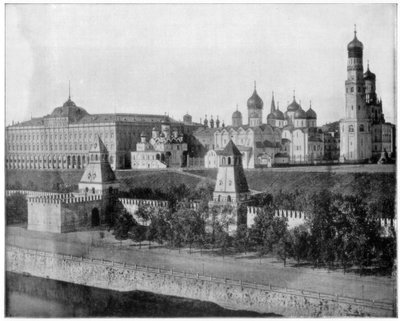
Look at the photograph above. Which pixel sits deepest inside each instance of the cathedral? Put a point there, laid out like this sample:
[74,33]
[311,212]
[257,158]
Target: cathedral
[364,134]
[283,138]
[166,148]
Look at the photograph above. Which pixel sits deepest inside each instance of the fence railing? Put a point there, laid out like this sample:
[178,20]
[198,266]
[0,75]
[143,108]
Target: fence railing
[383,305]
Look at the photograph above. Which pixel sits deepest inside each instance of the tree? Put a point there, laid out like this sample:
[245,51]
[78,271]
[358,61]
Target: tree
[299,242]
[189,225]
[387,250]
[322,230]
[138,234]
[159,228]
[241,239]
[268,231]
[16,209]
[122,225]
[221,237]
[144,213]
[283,248]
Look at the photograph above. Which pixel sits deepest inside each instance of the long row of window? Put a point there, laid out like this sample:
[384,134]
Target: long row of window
[51,147]
[59,136]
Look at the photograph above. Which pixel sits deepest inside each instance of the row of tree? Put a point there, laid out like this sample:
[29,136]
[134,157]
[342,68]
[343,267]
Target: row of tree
[339,231]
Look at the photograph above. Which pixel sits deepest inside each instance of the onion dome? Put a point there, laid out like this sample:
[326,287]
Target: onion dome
[311,114]
[237,114]
[278,114]
[165,121]
[355,47]
[368,75]
[206,121]
[300,114]
[294,105]
[271,116]
[217,122]
[255,102]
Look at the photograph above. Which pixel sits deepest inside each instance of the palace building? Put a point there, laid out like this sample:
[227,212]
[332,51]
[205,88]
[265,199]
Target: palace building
[62,139]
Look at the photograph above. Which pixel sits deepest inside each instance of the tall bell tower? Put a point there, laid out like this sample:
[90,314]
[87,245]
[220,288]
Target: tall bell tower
[355,128]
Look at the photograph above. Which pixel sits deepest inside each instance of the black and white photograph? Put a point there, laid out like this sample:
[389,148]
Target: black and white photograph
[195,160]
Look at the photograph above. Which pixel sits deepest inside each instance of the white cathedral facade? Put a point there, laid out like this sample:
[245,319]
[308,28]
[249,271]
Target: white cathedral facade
[283,138]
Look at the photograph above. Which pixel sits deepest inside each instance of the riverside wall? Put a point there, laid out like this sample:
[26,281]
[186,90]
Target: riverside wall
[228,293]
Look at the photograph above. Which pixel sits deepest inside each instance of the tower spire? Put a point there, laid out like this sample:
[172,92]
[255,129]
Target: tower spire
[255,85]
[368,64]
[294,94]
[272,103]
[69,89]
[355,30]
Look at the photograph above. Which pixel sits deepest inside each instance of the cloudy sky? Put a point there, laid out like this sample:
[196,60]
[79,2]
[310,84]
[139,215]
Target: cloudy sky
[201,59]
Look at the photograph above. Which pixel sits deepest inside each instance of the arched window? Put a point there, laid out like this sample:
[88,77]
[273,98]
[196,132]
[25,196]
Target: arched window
[229,160]
[219,198]
[223,160]
[93,190]
[361,127]
[97,157]
[229,199]
[351,128]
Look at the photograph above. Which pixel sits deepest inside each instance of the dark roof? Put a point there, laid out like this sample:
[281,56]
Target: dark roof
[368,75]
[231,149]
[255,101]
[98,146]
[355,44]
[294,105]
[206,130]
[244,148]
[278,114]
[267,143]
[300,113]
[97,118]
[311,114]
[32,122]
[70,110]
[101,168]
[315,139]
[237,114]
[281,155]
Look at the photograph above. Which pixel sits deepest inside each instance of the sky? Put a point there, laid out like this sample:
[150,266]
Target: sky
[197,58]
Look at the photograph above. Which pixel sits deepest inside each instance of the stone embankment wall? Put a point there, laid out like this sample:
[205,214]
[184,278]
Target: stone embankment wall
[228,293]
